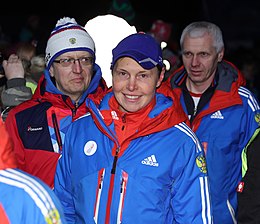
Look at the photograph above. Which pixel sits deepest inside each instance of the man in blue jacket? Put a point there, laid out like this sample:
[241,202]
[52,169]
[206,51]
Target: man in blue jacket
[221,111]
[133,160]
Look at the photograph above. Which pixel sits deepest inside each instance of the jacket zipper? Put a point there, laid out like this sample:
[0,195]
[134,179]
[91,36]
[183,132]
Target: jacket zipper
[74,110]
[57,131]
[111,186]
[124,121]
[122,196]
[101,174]
[194,111]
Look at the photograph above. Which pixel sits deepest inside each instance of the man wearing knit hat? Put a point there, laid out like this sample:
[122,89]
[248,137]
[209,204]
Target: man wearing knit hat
[38,126]
[137,161]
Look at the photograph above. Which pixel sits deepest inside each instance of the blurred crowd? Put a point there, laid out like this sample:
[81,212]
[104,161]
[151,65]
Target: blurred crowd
[30,43]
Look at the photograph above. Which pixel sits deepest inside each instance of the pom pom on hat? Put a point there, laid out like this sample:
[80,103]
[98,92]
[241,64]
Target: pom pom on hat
[68,36]
[65,20]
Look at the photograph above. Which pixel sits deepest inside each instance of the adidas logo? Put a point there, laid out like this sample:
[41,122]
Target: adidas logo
[150,161]
[217,115]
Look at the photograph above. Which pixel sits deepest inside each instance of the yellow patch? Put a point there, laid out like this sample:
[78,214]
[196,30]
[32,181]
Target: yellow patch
[72,40]
[257,118]
[201,163]
[53,217]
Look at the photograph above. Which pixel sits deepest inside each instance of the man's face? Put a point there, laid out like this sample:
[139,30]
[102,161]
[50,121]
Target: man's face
[73,79]
[200,59]
[134,87]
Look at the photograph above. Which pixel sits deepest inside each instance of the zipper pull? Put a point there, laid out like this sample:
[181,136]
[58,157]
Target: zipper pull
[113,170]
[194,111]
[124,121]
[122,184]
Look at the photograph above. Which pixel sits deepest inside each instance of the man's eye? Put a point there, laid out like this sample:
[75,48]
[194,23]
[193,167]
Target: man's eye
[142,76]
[204,54]
[67,60]
[84,59]
[122,74]
[187,54]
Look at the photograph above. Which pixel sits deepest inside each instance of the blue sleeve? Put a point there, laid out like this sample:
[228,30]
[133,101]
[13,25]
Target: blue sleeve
[191,197]
[62,184]
[27,199]
[251,119]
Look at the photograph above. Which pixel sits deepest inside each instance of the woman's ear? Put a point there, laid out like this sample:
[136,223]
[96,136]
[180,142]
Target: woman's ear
[161,77]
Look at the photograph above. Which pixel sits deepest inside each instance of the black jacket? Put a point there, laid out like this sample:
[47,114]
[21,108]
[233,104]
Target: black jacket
[249,187]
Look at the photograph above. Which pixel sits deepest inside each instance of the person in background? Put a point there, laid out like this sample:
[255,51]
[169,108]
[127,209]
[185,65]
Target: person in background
[31,32]
[15,91]
[38,126]
[17,70]
[37,67]
[23,197]
[221,111]
[133,160]
[249,187]
[162,32]
[123,9]
[26,51]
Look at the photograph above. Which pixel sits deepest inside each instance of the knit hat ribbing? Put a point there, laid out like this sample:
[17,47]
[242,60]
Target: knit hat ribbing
[68,36]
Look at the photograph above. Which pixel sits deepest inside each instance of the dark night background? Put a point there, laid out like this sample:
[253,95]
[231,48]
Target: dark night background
[238,19]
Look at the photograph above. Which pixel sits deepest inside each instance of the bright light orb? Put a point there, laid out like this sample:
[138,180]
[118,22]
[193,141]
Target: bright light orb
[107,31]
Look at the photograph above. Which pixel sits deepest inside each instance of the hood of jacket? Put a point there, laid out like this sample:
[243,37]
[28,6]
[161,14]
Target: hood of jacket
[227,81]
[227,74]
[166,113]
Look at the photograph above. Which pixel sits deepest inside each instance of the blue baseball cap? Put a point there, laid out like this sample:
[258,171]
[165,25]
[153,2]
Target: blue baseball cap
[141,47]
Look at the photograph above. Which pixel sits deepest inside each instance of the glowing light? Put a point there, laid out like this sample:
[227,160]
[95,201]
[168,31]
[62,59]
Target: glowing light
[163,45]
[167,64]
[107,31]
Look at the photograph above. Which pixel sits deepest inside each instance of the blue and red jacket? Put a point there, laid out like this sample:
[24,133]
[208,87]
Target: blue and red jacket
[224,122]
[38,126]
[23,197]
[155,174]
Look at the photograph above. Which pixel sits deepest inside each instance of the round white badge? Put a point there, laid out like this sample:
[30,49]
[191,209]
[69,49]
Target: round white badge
[90,148]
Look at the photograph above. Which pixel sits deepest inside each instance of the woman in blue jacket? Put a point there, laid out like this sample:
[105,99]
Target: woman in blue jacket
[133,160]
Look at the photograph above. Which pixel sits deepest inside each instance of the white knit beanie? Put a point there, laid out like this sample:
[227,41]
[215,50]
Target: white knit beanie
[68,36]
